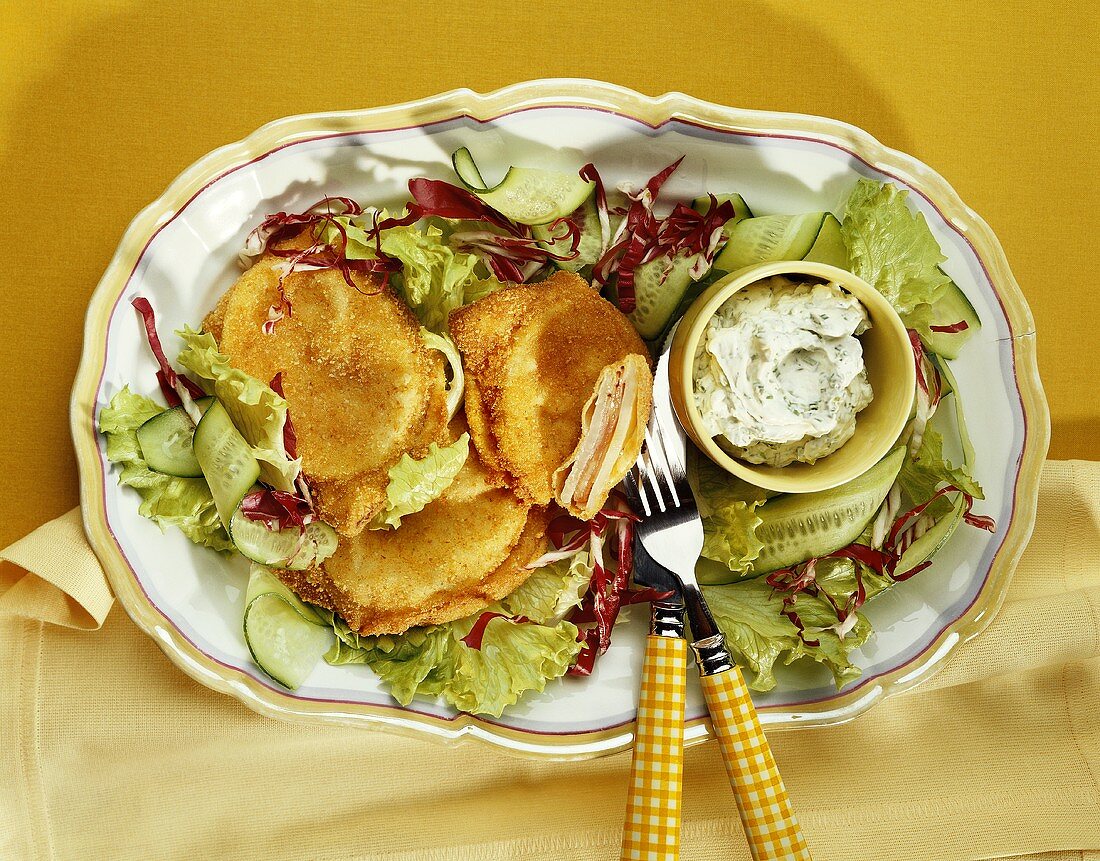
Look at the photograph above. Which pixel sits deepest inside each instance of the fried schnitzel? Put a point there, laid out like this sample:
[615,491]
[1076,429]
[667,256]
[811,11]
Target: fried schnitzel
[532,355]
[362,387]
[466,549]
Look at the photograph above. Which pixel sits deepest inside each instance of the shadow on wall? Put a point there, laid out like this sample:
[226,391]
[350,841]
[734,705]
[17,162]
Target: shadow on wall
[138,95]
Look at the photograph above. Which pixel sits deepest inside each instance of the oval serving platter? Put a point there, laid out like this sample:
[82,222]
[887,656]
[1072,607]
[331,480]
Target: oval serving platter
[181,252]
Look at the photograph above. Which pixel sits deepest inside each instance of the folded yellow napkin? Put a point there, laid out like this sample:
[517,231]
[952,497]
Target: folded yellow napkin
[108,751]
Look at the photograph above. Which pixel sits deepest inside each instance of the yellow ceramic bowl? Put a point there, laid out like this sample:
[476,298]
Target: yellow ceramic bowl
[890,369]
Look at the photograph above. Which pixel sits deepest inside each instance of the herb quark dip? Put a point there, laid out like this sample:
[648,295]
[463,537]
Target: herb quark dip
[779,374]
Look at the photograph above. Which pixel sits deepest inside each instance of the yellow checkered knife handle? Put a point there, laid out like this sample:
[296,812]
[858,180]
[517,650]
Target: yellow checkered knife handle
[770,824]
[652,826]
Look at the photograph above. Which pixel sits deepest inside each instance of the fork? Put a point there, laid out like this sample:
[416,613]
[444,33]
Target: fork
[671,533]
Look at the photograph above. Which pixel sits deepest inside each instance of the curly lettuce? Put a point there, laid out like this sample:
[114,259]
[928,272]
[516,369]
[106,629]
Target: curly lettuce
[924,472]
[415,483]
[750,614]
[257,411]
[891,248]
[728,506]
[434,278]
[167,500]
[514,657]
[551,591]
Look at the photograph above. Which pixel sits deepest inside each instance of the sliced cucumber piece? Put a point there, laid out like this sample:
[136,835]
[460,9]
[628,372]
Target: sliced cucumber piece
[951,308]
[526,195]
[591,242]
[934,538]
[800,526]
[829,246]
[290,548]
[657,299]
[262,581]
[226,460]
[166,439]
[466,168]
[741,209]
[768,238]
[283,644]
[960,418]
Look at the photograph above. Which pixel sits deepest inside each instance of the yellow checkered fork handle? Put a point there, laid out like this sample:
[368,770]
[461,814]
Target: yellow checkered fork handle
[766,814]
[652,827]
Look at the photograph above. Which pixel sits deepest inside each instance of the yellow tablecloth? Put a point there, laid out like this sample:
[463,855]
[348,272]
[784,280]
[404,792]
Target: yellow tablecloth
[108,751]
[102,102]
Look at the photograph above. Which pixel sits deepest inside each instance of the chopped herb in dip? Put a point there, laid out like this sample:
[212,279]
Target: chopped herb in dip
[779,375]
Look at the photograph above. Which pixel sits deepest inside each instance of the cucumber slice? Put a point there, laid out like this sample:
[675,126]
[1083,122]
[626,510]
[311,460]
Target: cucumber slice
[226,460]
[591,243]
[526,195]
[282,548]
[960,418]
[166,439]
[949,309]
[768,238]
[800,526]
[829,246]
[658,300]
[741,209]
[261,581]
[934,538]
[466,168]
[283,644]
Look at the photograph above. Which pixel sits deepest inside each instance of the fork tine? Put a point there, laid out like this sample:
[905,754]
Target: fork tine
[650,472]
[659,461]
[636,489]
[647,483]
[672,452]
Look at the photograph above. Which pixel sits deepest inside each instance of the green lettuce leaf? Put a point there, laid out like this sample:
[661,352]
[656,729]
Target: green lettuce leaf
[715,488]
[515,657]
[925,472]
[360,245]
[750,615]
[892,248]
[728,506]
[415,483]
[551,591]
[165,499]
[729,535]
[256,410]
[434,277]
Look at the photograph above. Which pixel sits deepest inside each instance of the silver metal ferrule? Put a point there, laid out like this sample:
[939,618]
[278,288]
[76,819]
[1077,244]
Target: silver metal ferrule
[667,619]
[712,656]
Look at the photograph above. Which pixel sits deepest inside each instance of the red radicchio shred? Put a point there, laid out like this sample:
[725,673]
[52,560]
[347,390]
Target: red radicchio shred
[166,389]
[584,614]
[646,238]
[796,620]
[586,658]
[513,257]
[976,520]
[281,226]
[167,375]
[953,329]
[609,590]
[590,174]
[276,509]
[442,199]
[918,357]
[477,632]
[884,562]
[290,438]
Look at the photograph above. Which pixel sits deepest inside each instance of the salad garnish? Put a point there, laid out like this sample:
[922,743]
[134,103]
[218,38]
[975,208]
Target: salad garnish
[778,595]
